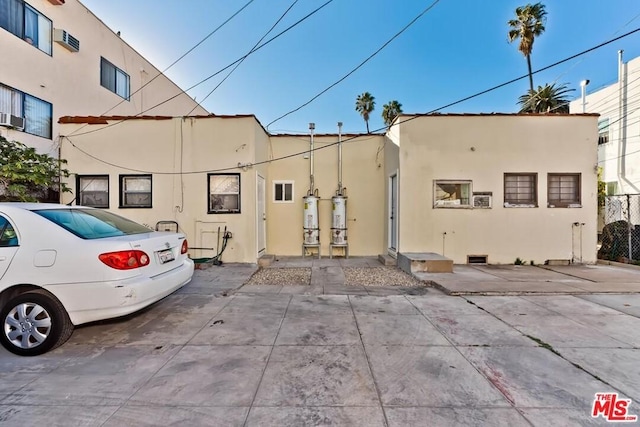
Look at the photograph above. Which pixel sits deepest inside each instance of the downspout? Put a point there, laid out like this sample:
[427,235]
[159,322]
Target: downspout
[622,124]
[340,159]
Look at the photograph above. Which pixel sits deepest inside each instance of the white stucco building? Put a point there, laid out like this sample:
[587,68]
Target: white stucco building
[59,59]
[618,125]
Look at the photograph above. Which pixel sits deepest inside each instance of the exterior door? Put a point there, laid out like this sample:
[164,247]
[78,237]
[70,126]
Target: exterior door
[261,217]
[393,213]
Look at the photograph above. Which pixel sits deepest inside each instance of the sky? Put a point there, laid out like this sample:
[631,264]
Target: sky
[456,49]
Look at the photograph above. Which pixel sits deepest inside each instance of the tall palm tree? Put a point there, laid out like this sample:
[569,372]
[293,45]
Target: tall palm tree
[390,111]
[365,104]
[528,25]
[547,99]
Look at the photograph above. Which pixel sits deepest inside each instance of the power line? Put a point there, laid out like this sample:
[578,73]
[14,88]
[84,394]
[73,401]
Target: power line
[179,59]
[357,136]
[216,73]
[245,57]
[358,66]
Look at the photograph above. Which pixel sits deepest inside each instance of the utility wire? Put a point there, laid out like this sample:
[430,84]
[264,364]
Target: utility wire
[298,22]
[358,66]
[178,60]
[244,57]
[358,136]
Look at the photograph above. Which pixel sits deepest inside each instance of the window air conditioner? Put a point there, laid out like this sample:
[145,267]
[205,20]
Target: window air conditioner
[66,40]
[8,120]
[482,201]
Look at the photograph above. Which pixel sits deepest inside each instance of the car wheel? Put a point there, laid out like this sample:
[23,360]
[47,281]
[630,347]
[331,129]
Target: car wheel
[34,323]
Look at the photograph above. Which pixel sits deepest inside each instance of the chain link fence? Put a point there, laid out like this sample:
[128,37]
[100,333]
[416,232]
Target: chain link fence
[621,231]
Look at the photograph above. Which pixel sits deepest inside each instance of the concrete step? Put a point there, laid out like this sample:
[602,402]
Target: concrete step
[386,259]
[266,260]
[424,262]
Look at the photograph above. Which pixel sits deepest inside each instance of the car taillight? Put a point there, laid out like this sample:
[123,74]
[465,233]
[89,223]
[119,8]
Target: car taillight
[185,247]
[125,260]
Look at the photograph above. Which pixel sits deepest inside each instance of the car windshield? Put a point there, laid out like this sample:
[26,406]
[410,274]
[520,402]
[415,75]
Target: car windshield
[92,223]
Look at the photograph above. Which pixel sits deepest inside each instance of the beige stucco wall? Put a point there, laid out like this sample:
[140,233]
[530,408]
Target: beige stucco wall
[71,81]
[166,148]
[363,176]
[482,149]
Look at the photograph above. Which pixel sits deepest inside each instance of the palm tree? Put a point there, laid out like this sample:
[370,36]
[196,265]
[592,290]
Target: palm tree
[547,99]
[390,111]
[365,104]
[528,25]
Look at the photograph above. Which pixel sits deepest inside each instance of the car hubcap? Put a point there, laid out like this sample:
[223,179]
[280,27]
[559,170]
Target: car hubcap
[27,325]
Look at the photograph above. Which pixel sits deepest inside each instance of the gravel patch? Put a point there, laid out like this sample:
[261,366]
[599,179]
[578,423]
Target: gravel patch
[379,276]
[354,276]
[281,276]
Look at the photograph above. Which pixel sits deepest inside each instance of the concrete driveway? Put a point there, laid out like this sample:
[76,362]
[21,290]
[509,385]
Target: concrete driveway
[201,358]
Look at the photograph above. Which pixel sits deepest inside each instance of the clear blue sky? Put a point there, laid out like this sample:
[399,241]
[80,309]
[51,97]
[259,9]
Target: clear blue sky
[458,48]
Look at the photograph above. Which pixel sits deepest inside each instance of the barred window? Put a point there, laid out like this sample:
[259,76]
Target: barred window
[563,190]
[520,189]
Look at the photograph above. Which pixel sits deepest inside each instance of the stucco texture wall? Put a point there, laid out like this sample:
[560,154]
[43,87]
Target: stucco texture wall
[363,177]
[482,148]
[179,153]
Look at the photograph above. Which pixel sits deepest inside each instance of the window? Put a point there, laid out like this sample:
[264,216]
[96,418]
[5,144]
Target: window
[563,190]
[114,79]
[603,131]
[451,194]
[521,189]
[93,191]
[23,21]
[135,191]
[224,193]
[283,191]
[36,112]
[8,235]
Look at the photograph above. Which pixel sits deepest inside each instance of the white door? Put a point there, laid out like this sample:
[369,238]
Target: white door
[261,217]
[393,213]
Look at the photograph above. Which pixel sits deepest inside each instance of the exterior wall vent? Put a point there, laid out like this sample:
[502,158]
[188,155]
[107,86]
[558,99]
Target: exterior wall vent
[8,120]
[481,201]
[477,259]
[66,40]
[57,2]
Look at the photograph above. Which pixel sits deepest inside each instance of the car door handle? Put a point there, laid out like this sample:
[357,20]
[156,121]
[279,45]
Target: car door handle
[3,258]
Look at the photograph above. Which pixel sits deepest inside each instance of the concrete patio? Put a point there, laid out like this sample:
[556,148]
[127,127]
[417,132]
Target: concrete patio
[201,358]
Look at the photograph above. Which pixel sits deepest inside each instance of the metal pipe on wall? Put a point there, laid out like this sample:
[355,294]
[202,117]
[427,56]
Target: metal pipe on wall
[312,126]
[339,158]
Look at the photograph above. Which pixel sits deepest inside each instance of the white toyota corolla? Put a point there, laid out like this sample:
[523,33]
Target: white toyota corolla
[62,266]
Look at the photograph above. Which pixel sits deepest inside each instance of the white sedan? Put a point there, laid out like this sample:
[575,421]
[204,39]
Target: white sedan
[62,266]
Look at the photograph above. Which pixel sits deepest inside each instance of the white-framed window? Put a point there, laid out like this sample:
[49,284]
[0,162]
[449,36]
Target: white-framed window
[563,190]
[25,22]
[224,193]
[451,193]
[92,190]
[135,191]
[603,131]
[114,79]
[283,191]
[521,190]
[37,113]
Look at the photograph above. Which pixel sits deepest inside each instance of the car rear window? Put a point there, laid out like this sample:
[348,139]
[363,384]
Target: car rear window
[92,223]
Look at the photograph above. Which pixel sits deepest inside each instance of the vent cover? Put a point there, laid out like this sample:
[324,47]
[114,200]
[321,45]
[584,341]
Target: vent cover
[66,40]
[477,259]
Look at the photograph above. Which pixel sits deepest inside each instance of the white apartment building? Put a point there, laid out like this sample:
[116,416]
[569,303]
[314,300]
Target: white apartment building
[59,59]
[619,127]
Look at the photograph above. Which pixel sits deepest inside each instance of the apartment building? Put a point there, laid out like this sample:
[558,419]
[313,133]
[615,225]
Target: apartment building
[59,59]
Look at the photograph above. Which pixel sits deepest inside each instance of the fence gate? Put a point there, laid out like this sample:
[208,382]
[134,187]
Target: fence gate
[621,231]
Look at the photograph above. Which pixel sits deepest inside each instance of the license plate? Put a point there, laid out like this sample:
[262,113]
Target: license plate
[166,256]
